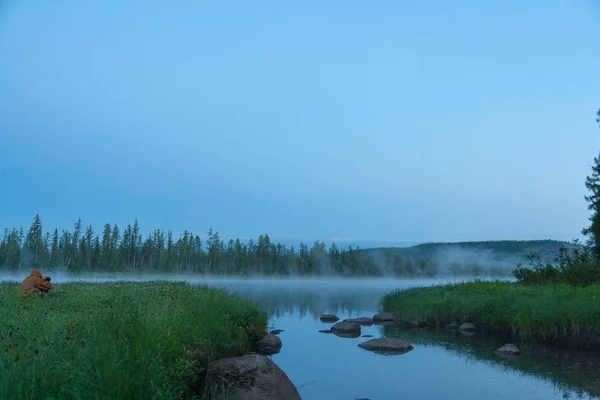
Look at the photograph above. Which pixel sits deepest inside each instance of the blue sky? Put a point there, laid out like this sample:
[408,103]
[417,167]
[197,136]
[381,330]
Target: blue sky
[388,121]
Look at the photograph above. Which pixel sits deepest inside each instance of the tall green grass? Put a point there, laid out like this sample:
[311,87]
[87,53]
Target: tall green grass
[543,312]
[119,340]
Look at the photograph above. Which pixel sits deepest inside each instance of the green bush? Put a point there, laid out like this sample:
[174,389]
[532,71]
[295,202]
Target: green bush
[577,267]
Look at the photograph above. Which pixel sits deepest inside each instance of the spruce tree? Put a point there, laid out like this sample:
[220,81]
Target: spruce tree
[592,183]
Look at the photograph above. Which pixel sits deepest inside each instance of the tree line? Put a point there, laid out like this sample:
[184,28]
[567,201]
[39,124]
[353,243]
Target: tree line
[82,249]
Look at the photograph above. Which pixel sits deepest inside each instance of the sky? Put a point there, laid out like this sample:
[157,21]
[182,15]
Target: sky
[386,121]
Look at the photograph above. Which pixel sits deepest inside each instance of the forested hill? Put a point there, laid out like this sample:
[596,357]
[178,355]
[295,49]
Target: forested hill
[500,249]
[83,249]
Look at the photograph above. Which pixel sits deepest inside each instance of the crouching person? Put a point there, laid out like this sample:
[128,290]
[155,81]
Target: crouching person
[36,282]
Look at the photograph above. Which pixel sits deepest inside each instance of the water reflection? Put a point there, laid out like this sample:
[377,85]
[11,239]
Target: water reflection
[306,298]
[573,373]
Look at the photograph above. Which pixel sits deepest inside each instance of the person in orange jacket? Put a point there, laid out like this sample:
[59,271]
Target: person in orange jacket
[36,282]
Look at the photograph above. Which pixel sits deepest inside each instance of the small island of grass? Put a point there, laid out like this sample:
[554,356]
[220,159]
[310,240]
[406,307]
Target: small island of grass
[119,340]
[560,314]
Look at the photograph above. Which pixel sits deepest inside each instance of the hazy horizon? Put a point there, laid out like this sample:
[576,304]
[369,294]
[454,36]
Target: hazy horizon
[389,123]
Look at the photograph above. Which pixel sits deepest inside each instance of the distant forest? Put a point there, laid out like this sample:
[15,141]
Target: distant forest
[82,249]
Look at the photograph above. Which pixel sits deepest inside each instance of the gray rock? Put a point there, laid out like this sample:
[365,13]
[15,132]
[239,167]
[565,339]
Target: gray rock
[276,331]
[347,335]
[329,318]
[249,377]
[268,345]
[453,326]
[361,320]
[386,346]
[467,326]
[413,323]
[385,317]
[509,350]
[345,326]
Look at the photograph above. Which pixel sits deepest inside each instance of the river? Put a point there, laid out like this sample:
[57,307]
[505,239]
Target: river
[441,365]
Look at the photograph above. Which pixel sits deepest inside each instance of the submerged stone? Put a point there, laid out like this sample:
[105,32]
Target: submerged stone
[346,326]
[252,376]
[508,349]
[361,320]
[326,331]
[467,326]
[329,318]
[386,346]
[385,317]
[453,326]
[276,331]
[268,345]
[347,335]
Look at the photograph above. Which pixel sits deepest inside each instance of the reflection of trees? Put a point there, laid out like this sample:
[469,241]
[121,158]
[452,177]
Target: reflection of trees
[306,300]
[572,372]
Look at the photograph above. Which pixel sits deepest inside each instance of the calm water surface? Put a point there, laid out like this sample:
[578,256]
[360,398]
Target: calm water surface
[442,364]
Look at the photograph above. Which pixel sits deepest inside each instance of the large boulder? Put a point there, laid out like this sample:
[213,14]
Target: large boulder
[386,346]
[329,318]
[385,317]
[249,377]
[346,327]
[361,320]
[268,345]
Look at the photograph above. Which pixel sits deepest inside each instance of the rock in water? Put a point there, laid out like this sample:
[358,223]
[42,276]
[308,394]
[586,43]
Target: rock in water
[453,326]
[346,335]
[249,377]
[467,326]
[329,318]
[276,331]
[509,350]
[386,346]
[385,317]
[268,345]
[361,320]
[413,323]
[348,327]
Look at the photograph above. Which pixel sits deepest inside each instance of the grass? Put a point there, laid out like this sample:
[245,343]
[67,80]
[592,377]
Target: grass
[547,313]
[119,340]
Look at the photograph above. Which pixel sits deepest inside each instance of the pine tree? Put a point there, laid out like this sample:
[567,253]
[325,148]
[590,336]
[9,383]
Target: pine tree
[592,183]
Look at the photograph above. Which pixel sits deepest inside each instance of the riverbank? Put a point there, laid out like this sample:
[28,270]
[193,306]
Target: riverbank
[119,340]
[557,314]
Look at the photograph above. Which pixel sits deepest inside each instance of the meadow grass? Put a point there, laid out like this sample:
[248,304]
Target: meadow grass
[121,340]
[550,312]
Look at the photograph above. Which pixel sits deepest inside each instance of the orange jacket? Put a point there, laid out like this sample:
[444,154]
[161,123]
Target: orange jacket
[34,283]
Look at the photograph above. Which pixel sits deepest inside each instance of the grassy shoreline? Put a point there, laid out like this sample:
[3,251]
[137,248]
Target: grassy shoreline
[553,314]
[119,340]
